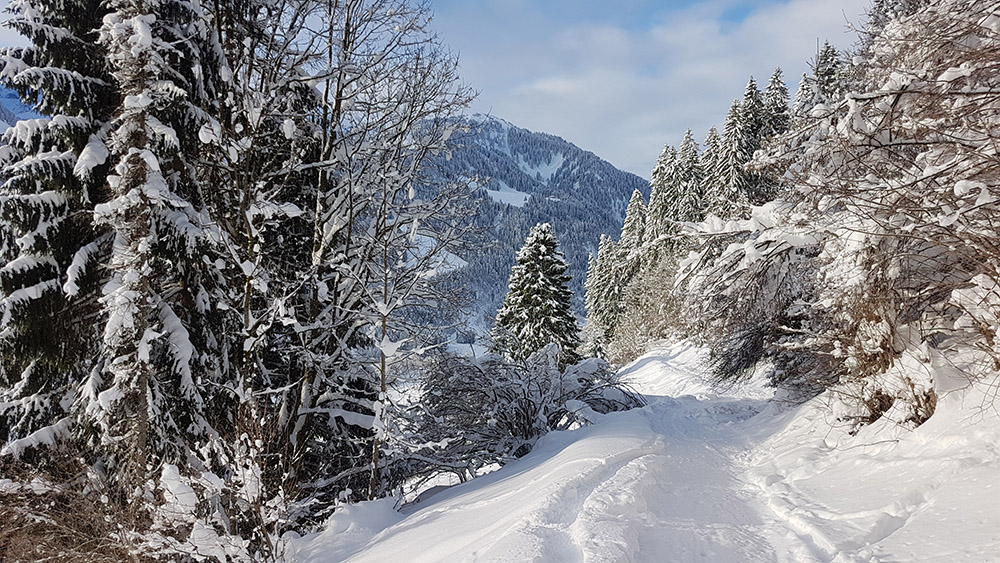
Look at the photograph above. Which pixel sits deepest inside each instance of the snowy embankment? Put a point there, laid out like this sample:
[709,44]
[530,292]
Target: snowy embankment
[700,475]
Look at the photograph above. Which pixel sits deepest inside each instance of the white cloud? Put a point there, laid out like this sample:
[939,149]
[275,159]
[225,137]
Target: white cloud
[623,92]
[620,78]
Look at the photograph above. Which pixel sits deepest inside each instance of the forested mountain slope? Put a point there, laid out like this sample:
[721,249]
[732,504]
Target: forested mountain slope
[528,178]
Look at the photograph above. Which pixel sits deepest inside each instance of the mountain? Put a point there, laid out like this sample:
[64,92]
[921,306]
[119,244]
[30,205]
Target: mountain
[526,178]
[12,108]
[7,117]
[523,178]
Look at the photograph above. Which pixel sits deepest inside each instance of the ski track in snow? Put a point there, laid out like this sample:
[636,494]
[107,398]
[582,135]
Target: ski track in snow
[697,475]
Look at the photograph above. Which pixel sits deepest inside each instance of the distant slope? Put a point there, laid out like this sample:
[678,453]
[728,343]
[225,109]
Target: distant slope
[12,108]
[531,178]
[7,118]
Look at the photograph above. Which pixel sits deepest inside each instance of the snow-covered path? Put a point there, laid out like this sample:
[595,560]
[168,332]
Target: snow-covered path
[643,484]
[699,476]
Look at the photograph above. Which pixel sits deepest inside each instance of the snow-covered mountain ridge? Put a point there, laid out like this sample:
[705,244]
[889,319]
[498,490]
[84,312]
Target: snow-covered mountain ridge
[527,178]
[12,108]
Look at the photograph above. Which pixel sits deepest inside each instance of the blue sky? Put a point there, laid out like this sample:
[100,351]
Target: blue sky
[623,78]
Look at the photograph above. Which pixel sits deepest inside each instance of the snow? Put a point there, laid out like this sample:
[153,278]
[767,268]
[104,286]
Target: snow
[42,437]
[288,128]
[545,171]
[702,474]
[508,195]
[94,154]
[77,268]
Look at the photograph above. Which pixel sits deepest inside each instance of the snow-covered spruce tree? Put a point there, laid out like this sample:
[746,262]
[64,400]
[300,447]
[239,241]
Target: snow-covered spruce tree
[127,239]
[604,291]
[776,110]
[747,137]
[824,86]
[663,192]
[536,311]
[631,243]
[634,227]
[727,199]
[160,340]
[688,205]
[711,167]
[593,333]
[775,122]
[800,102]
[736,187]
[52,175]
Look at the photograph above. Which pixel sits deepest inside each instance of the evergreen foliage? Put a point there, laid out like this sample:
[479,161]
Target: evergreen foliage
[663,191]
[688,202]
[711,166]
[776,109]
[604,295]
[729,199]
[826,83]
[536,311]
[628,299]
[634,228]
[52,170]
[559,183]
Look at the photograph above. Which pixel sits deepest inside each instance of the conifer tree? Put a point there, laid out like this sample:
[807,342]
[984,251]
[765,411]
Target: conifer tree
[161,334]
[828,68]
[634,226]
[630,249]
[776,111]
[536,311]
[201,240]
[729,198]
[663,192]
[594,341]
[824,85]
[53,171]
[711,165]
[752,113]
[800,103]
[604,290]
[689,202]
[738,188]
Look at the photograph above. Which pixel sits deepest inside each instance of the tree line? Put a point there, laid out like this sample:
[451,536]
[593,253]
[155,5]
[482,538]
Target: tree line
[847,244]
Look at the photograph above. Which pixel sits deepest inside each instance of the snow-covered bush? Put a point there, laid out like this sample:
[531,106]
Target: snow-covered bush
[900,175]
[883,247]
[748,293]
[489,410]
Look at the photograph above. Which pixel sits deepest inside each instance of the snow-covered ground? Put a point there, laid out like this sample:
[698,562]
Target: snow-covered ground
[704,475]
[508,195]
